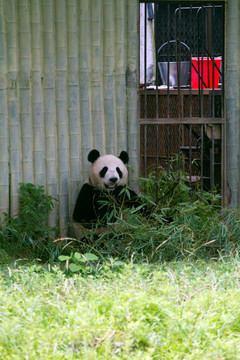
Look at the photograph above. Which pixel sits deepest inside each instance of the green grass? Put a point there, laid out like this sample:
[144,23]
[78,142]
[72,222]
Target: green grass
[178,310]
[176,296]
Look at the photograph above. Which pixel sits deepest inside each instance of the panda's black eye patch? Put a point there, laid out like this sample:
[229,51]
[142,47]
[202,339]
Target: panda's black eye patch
[103,172]
[119,172]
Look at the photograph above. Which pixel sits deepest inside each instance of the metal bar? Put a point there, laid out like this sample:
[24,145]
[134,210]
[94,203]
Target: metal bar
[222,69]
[202,75]
[145,61]
[178,61]
[190,97]
[201,158]
[179,145]
[168,149]
[211,169]
[186,120]
[212,160]
[198,7]
[145,150]
[168,92]
[213,65]
[156,66]
[223,166]
[157,151]
[174,91]
[190,153]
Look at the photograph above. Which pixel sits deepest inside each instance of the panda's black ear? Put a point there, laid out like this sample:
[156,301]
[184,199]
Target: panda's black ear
[93,155]
[124,157]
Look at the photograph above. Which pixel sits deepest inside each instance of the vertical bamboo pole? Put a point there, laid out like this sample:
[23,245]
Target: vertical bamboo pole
[108,77]
[37,94]
[96,78]
[14,129]
[24,87]
[120,79]
[49,103]
[132,85]
[4,183]
[233,103]
[61,111]
[84,83]
[73,103]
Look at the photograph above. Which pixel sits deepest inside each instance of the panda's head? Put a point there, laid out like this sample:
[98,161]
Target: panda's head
[107,171]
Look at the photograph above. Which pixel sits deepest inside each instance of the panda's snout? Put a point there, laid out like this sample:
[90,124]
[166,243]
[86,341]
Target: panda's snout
[113,180]
[112,183]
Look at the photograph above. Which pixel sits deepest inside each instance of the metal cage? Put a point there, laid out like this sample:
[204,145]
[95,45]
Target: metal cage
[183,119]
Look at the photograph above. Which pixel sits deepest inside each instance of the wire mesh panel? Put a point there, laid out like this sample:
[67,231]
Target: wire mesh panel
[181,97]
[197,151]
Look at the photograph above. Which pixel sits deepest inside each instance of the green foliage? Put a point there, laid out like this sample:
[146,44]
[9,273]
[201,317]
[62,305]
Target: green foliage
[28,229]
[87,264]
[79,262]
[179,222]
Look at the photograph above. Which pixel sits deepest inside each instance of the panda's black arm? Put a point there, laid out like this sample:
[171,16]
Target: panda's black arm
[133,199]
[127,196]
[84,208]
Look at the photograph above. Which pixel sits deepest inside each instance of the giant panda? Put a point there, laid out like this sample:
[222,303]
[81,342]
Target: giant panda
[107,182]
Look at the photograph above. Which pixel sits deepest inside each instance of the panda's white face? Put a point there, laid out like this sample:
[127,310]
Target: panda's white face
[107,172]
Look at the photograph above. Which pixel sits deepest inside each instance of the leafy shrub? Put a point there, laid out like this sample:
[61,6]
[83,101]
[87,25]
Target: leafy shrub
[79,262]
[181,222]
[89,264]
[28,229]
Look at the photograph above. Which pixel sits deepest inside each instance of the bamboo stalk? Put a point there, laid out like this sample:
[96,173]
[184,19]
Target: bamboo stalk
[97,75]
[232,193]
[4,178]
[49,103]
[73,104]
[108,77]
[132,87]
[37,95]
[13,126]
[120,79]
[84,84]
[61,112]
[24,87]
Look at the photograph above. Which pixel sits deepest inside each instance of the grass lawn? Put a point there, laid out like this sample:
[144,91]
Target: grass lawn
[178,310]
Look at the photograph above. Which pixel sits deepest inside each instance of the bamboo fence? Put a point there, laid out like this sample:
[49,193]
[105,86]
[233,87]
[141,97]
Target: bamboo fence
[68,83]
